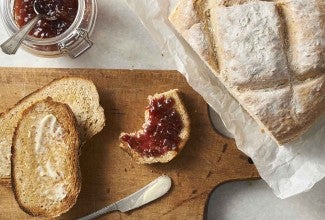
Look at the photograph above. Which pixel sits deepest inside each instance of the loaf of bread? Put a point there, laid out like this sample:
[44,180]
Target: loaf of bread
[82,97]
[270,55]
[45,170]
[164,133]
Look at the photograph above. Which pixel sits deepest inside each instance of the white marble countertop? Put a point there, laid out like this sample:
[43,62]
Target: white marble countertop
[121,42]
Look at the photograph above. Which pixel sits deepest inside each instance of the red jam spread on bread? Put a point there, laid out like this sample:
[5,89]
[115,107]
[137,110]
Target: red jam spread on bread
[63,13]
[161,132]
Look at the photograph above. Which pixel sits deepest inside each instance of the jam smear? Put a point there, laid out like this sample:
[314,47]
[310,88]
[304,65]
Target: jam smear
[161,132]
[64,13]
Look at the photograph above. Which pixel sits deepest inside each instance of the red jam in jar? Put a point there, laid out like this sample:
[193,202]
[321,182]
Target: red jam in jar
[63,13]
[161,132]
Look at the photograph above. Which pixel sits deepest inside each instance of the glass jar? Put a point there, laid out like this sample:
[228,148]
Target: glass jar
[74,41]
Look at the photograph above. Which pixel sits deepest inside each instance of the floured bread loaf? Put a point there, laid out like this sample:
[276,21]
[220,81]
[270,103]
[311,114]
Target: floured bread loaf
[268,54]
[82,97]
[45,176]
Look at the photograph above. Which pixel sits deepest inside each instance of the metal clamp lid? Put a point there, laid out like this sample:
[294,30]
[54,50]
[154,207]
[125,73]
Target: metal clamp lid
[82,47]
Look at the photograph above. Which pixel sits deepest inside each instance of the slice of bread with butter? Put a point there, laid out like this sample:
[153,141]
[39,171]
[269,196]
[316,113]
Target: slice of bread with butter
[82,97]
[45,170]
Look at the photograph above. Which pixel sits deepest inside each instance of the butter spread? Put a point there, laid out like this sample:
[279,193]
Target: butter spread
[40,171]
[57,193]
[50,171]
[156,189]
[41,128]
[47,124]
[162,185]
[46,132]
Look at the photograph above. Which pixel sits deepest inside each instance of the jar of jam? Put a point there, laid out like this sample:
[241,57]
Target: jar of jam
[68,33]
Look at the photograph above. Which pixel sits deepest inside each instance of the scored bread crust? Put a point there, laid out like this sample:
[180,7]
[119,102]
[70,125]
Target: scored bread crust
[77,92]
[306,54]
[276,102]
[184,134]
[67,120]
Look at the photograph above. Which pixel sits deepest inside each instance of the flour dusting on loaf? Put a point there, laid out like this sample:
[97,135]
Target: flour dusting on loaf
[306,36]
[249,44]
[268,54]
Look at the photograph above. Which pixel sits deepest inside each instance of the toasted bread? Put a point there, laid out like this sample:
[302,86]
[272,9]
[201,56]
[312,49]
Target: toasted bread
[45,170]
[81,96]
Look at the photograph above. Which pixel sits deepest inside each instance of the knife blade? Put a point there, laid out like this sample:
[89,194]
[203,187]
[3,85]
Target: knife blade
[149,193]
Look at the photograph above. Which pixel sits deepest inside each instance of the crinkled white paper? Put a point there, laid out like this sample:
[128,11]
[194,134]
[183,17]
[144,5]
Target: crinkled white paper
[288,170]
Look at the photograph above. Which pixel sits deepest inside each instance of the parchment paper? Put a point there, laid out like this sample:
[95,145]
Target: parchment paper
[288,170]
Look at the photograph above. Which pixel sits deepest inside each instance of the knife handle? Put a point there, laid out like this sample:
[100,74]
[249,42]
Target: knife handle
[107,209]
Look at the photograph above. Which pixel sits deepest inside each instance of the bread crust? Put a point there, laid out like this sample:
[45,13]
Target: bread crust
[282,124]
[306,43]
[184,134]
[66,116]
[5,182]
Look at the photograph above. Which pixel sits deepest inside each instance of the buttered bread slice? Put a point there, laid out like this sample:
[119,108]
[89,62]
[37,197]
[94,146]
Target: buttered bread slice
[80,94]
[45,159]
[268,54]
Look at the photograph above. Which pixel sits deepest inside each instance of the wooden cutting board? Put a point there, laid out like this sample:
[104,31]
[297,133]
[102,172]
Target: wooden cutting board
[108,173]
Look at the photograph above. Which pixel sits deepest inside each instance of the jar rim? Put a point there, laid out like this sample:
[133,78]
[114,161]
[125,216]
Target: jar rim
[12,27]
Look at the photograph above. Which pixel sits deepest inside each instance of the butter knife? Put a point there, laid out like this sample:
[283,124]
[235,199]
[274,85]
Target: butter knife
[149,193]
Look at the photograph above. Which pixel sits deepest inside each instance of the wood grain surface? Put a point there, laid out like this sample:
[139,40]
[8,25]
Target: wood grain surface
[108,173]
